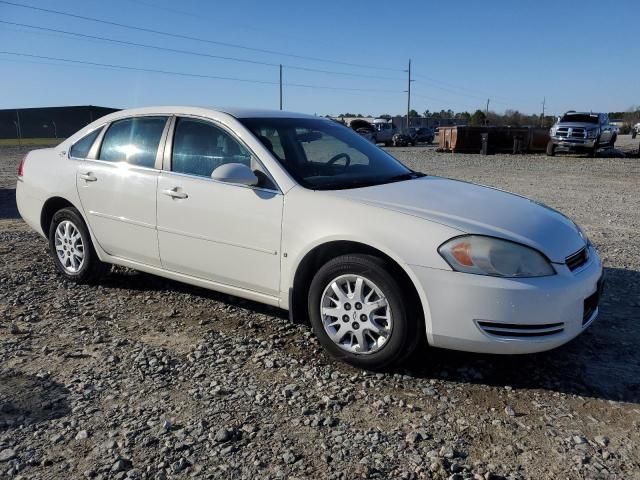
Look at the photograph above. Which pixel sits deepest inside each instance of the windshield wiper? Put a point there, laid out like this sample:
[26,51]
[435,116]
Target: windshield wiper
[358,183]
[346,184]
[405,176]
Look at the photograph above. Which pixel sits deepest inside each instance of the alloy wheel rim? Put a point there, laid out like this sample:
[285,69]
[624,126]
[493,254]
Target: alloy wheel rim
[69,246]
[356,314]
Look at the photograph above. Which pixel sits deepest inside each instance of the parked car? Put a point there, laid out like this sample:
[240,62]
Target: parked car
[402,140]
[302,213]
[422,135]
[581,132]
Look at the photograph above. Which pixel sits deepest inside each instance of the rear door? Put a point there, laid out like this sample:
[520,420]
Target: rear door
[117,187]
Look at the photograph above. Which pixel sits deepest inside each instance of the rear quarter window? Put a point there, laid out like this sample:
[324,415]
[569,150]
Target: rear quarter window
[81,148]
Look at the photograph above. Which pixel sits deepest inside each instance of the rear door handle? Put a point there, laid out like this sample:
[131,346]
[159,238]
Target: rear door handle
[174,193]
[88,177]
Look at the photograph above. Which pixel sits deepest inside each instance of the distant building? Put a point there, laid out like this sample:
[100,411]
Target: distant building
[48,122]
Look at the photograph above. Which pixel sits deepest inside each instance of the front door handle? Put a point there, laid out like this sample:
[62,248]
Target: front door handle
[175,193]
[88,177]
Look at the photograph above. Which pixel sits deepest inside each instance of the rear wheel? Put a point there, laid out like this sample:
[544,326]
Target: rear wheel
[551,149]
[360,313]
[71,248]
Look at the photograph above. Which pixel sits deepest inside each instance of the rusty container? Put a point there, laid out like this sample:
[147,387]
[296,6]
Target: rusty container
[468,139]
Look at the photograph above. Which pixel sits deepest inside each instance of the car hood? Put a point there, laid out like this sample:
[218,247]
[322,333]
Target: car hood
[478,210]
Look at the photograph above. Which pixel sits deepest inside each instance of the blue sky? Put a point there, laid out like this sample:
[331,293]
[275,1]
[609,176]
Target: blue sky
[582,55]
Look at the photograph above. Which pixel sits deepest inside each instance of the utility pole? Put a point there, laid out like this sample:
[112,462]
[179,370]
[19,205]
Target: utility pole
[486,113]
[18,127]
[280,86]
[55,128]
[409,94]
[544,100]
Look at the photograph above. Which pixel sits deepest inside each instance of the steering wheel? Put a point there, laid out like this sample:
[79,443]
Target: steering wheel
[337,157]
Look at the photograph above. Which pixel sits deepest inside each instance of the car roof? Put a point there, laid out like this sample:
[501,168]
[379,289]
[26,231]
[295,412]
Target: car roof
[233,111]
[582,113]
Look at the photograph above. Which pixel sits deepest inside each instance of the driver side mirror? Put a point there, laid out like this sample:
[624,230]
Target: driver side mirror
[237,173]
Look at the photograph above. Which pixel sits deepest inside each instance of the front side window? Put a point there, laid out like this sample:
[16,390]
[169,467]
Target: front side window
[322,154]
[199,147]
[133,140]
[81,148]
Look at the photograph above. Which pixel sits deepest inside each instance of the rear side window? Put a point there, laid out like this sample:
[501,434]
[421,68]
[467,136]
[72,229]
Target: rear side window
[200,147]
[81,148]
[133,140]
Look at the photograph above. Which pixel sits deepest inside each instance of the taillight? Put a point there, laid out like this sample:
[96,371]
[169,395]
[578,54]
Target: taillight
[21,166]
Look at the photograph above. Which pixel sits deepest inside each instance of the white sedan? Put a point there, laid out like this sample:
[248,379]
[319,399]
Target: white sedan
[302,213]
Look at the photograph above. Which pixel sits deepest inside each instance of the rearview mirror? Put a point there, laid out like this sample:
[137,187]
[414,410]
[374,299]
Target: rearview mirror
[237,173]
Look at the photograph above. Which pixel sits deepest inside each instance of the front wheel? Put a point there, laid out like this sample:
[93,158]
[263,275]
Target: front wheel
[594,151]
[551,149]
[361,314]
[71,248]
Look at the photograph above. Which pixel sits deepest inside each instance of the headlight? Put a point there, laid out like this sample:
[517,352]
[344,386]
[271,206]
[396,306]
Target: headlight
[491,256]
[592,133]
[583,234]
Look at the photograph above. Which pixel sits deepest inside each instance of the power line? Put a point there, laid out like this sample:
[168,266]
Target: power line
[198,39]
[436,99]
[452,89]
[193,75]
[191,52]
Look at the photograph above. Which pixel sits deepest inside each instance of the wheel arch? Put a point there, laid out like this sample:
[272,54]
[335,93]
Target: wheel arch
[51,206]
[323,252]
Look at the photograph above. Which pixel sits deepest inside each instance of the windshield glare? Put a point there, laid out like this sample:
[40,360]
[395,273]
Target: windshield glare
[579,118]
[321,154]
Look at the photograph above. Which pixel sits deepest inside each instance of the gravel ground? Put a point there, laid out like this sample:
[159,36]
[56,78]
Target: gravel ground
[142,377]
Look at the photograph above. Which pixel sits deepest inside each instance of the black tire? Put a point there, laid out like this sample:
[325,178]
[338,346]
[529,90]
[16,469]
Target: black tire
[551,149]
[633,134]
[91,268]
[593,153]
[407,330]
[612,142]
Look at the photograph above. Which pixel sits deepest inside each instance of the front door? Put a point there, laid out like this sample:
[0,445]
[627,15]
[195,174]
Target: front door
[118,189]
[222,232]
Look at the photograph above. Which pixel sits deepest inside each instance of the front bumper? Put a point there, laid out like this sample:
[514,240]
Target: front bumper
[543,313]
[574,143]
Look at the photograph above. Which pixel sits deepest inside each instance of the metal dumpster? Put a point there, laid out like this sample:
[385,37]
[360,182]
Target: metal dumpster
[467,139]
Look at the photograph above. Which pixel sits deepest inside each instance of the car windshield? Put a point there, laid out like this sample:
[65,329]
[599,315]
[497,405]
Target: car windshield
[324,155]
[579,118]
